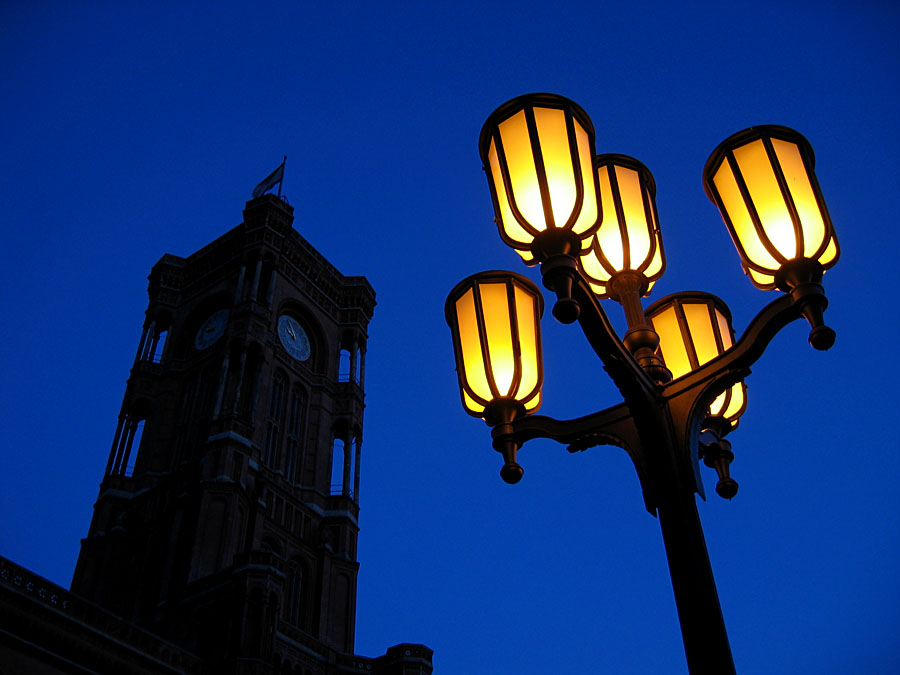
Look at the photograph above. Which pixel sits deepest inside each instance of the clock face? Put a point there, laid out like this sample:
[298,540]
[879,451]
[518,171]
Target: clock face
[293,337]
[211,330]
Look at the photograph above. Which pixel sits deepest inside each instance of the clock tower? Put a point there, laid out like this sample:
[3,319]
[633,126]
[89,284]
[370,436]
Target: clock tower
[227,517]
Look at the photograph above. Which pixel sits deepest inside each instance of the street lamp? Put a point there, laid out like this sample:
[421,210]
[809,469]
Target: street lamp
[591,224]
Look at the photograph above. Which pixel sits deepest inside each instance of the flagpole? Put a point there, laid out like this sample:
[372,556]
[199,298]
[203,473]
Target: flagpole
[283,162]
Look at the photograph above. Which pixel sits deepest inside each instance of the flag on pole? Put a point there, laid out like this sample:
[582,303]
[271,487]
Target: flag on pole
[270,181]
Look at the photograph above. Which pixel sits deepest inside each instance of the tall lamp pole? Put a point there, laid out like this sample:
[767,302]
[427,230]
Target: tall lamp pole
[591,224]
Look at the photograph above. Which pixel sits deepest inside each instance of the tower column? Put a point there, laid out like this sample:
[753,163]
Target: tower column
[140,349]
[356,467]
[122,444]
[146,339]
[354,350]
[168,343]
[153,344]
[151,340]
[128,439]
[345,482]
[362,366]
[115,446]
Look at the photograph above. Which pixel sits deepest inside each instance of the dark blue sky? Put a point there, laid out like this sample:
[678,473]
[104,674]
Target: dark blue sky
[131,129]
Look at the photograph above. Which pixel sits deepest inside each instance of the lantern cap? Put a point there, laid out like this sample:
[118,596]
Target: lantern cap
[702,296]
[749,135]
[535,100]
[488,275]
[628,162]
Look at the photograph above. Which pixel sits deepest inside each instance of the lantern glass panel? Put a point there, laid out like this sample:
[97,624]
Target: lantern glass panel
[730,403]
[557,157]
[507,221]
[761,279]
[528,343]
[724,329]
[498,334]
[767,197]
[734,205]
[523,177]
[533,403]
[672,342]
[655,268]
[830,254]
[587,219]
[638,229]
[804,197]
[701,332]
[635,229]
[609,237]
[474,371]
[471,404]
[737,403]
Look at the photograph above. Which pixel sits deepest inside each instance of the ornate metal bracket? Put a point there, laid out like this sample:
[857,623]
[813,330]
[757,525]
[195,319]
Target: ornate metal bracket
[654,415]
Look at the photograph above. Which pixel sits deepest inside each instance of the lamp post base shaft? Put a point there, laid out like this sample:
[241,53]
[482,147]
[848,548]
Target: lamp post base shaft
[699,613]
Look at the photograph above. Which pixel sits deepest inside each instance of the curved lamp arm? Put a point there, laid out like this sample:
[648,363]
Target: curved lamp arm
[614,426]
[751,345]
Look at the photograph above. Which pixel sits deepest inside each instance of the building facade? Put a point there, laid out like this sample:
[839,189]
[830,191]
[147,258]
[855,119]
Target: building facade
[227,519]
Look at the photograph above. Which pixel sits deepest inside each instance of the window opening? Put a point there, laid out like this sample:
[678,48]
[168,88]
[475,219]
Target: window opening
[344,366]
[158,346]
[273,422]
[295,424]
[352,473]
[337,466]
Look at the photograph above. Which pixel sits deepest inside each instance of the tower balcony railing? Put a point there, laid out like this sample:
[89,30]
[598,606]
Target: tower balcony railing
[337,490]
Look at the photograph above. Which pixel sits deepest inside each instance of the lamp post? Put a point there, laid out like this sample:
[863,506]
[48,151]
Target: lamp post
[591,224]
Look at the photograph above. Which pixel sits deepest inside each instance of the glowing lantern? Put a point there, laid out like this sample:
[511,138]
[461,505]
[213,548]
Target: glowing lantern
[628,238]
[537,152]
[694,328]
[495,320]
[763,183]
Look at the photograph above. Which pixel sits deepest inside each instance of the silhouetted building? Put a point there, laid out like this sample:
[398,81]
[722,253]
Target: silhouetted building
[224,536]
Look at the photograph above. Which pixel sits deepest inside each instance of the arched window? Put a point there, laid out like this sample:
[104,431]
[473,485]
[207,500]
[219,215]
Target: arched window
[338,450]
[351,361]
[153,341]
[158,346]
[273,420]
[126,443]
[344,366]
[296,410]
[134,447]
